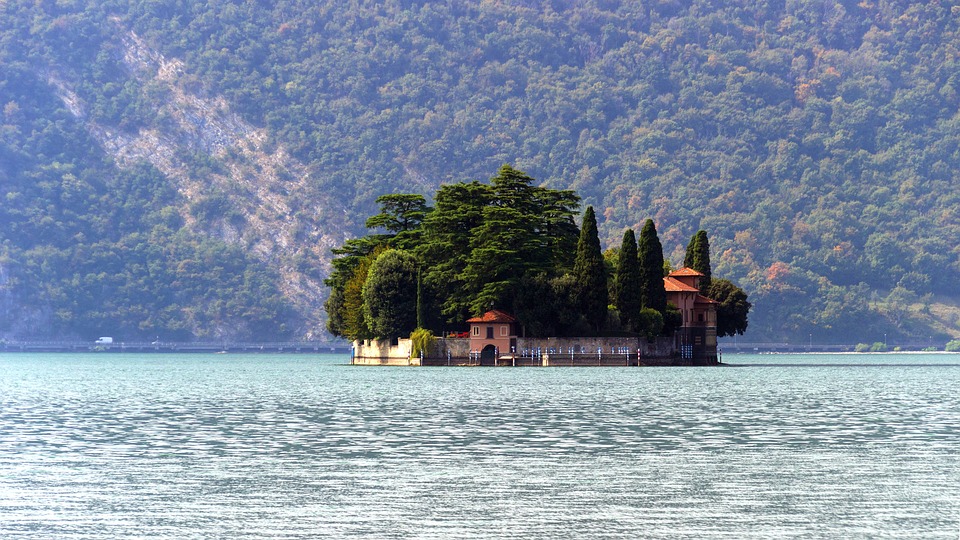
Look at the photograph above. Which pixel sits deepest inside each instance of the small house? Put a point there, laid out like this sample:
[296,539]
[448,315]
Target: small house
[493,334]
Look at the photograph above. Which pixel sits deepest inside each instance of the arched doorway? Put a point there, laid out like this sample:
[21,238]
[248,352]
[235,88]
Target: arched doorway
[488,355]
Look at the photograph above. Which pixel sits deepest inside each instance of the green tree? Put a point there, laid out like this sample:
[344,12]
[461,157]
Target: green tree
[590,273]
[650,322]
[422,342]
[446,246]
[480,240]
[627,282]
[421,301]
[401,214]
[501,253]
[353,315]
[569,319]
[650,257]
[335,311]
[537,306]
[698,257]
[547,233]
[733,307]
[390,294]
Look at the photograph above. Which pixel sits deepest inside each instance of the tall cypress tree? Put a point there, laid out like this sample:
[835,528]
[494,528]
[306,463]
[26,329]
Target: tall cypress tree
[627,281]
[590,273]
[421,301]
[688,257]
[650,256]
[703,260]
[698,257]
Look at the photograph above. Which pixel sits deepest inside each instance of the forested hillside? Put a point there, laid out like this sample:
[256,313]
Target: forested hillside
[817,141]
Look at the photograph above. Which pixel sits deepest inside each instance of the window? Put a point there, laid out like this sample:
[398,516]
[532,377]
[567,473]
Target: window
[503,331]
[476,330]
[700,317]
[489,332]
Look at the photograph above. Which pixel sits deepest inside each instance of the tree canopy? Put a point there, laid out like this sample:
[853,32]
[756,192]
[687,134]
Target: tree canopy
[390,294]
[733,308]
[486,246]
[481,240]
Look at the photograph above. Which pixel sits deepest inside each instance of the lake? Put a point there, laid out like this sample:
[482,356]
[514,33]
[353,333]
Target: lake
[304,446]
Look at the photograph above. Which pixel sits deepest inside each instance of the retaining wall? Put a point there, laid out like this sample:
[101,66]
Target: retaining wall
[374,352]
[574,351]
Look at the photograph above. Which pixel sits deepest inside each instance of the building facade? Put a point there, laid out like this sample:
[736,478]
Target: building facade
[697,335]
[494,334]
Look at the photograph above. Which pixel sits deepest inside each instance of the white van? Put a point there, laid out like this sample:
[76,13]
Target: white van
[106,340]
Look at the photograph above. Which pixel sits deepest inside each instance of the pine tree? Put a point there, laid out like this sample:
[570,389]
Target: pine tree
[627,282]
[500,256]
[650,256]
[401,215]
[481,240]
[590,273]
[446,247]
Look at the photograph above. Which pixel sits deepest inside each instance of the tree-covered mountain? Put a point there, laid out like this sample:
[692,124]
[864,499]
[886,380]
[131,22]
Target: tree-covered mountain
[817,140]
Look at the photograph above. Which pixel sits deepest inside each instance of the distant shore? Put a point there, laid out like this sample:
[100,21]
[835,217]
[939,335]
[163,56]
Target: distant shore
[744,347]
[305,347]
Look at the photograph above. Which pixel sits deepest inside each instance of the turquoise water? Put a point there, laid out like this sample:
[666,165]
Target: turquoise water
[299,446]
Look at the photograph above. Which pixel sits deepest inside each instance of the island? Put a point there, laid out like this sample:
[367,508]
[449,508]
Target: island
[500,274]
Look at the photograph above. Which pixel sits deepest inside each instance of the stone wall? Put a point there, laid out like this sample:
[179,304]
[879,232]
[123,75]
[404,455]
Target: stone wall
[575,351]
[457,347]
[383,353]
[659,348]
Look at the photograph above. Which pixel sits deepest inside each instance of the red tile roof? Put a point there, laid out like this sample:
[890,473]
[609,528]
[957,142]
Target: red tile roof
[494,316]
[704,300]
[675,285]
[685,272]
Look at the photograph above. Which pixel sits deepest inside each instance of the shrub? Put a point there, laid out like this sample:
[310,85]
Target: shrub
[650,322]
[422,340]
[953,346]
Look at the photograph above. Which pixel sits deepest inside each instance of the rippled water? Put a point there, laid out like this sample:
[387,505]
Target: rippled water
[291,446]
